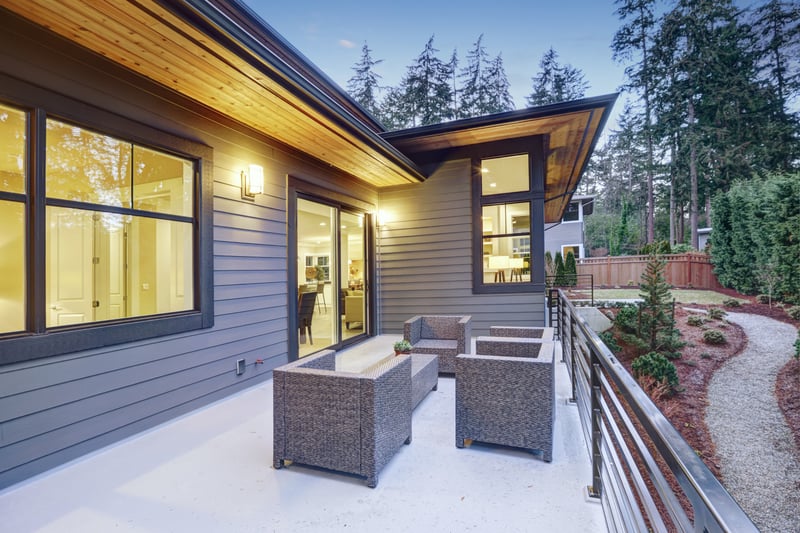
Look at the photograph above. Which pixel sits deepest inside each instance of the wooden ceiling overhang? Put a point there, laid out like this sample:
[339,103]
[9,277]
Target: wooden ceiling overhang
[572,128]
[220,54]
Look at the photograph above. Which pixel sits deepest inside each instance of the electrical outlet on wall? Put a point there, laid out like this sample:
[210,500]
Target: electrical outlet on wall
[240,367]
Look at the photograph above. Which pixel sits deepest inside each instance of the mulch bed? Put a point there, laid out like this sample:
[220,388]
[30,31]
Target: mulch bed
[686,409]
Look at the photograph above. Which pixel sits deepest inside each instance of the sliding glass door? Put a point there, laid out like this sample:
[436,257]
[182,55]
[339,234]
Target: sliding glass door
[331,265]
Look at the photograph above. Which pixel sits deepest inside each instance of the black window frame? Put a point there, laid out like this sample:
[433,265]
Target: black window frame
[38,341]
[536,148]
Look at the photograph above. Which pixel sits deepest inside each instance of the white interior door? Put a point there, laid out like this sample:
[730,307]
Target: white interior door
[69,267]
[109,267]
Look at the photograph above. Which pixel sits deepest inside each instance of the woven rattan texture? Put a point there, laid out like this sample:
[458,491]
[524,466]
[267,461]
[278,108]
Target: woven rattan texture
[424,376]
[543,333]
[446,336]
[341,421]
[506,400]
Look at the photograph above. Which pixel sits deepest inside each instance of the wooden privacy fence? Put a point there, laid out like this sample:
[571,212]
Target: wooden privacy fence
[682,270]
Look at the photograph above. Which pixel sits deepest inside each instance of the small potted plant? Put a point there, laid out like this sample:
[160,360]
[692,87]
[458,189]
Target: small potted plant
[402,346]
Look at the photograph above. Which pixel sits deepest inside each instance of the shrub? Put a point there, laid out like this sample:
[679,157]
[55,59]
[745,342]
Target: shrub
[695,320]
[705,355]
[794,312]
[609,340]
[713,336]
[628,319]
[657,366]
[731,302]
[797,346]
[763,298]
[715,313]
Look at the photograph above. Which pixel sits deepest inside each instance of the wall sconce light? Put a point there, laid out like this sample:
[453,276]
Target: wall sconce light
[252,182]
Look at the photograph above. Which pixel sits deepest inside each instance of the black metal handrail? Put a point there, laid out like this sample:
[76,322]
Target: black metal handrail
[635,450]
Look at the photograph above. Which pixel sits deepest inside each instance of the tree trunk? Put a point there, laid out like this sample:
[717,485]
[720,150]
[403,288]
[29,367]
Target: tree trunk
[693,202]
[671,215]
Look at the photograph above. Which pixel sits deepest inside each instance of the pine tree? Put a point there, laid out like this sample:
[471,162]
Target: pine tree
[656,314]
[474,97]
[426,88]
[561,273]
[556,83]
[498,87]
[363,86]
[635,39]
[776,25]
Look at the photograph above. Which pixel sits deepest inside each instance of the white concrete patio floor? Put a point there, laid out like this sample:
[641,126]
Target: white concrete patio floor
[211,470]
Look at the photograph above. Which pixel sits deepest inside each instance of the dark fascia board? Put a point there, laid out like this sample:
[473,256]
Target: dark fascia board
[605,101]
[239,28]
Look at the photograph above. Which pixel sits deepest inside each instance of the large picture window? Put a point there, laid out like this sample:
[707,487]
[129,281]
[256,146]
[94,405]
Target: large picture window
[112,228]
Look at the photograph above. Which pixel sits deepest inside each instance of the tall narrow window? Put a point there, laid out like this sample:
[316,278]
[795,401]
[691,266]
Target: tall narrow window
[13,173]
[505,220]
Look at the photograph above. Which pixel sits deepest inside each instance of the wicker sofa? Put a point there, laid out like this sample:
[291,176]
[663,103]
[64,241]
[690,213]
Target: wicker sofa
[543,333]
[344,421]
[446,336]
[507,399]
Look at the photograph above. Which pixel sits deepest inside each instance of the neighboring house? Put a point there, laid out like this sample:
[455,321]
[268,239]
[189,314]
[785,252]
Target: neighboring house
[703,235]
[174,177]
[567,234]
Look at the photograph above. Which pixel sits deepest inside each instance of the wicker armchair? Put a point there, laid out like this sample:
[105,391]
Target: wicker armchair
[507,399]
[446,336]
[349,422]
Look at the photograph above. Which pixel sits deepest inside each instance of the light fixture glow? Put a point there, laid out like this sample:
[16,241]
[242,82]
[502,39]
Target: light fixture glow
[252,182]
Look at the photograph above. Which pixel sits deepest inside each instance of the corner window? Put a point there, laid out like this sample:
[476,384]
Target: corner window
[505,221]
[105,245]
[508,218]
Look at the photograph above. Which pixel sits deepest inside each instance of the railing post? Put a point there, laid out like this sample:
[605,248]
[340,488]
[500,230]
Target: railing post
[596,490]
[573,363]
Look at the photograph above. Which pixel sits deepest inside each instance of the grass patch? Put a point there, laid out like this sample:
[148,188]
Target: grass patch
[684,296]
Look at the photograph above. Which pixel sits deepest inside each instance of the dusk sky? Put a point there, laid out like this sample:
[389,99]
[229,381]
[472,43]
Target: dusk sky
[331,35]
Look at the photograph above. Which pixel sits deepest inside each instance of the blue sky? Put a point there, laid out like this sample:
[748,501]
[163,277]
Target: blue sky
[331,35]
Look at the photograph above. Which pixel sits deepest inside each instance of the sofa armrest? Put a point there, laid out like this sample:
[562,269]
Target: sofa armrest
[412,329]
[386,411]
[465,334]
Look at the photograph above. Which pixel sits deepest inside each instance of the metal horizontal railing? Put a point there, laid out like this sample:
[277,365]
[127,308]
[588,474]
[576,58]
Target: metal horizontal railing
[645,474]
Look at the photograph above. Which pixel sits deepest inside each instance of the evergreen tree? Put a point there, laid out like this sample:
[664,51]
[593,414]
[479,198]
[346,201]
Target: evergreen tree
[556,83]
[571,269]
[363,86]
[485,88]
[426,88]
[635,38]
[474,98]
[708,99]
[396,112]
[656,311]
[498,87]
[777,29]
[561,279]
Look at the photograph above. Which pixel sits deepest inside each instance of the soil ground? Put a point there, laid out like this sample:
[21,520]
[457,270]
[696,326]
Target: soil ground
[699,361]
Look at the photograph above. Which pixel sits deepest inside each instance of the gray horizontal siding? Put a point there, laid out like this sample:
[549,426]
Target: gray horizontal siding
[56,409]
[425,258]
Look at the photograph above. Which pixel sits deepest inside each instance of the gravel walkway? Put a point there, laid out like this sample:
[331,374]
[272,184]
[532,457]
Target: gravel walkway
[755,447]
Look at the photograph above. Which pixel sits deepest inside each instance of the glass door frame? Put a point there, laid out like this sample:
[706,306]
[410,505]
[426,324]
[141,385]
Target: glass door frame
[298,189]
